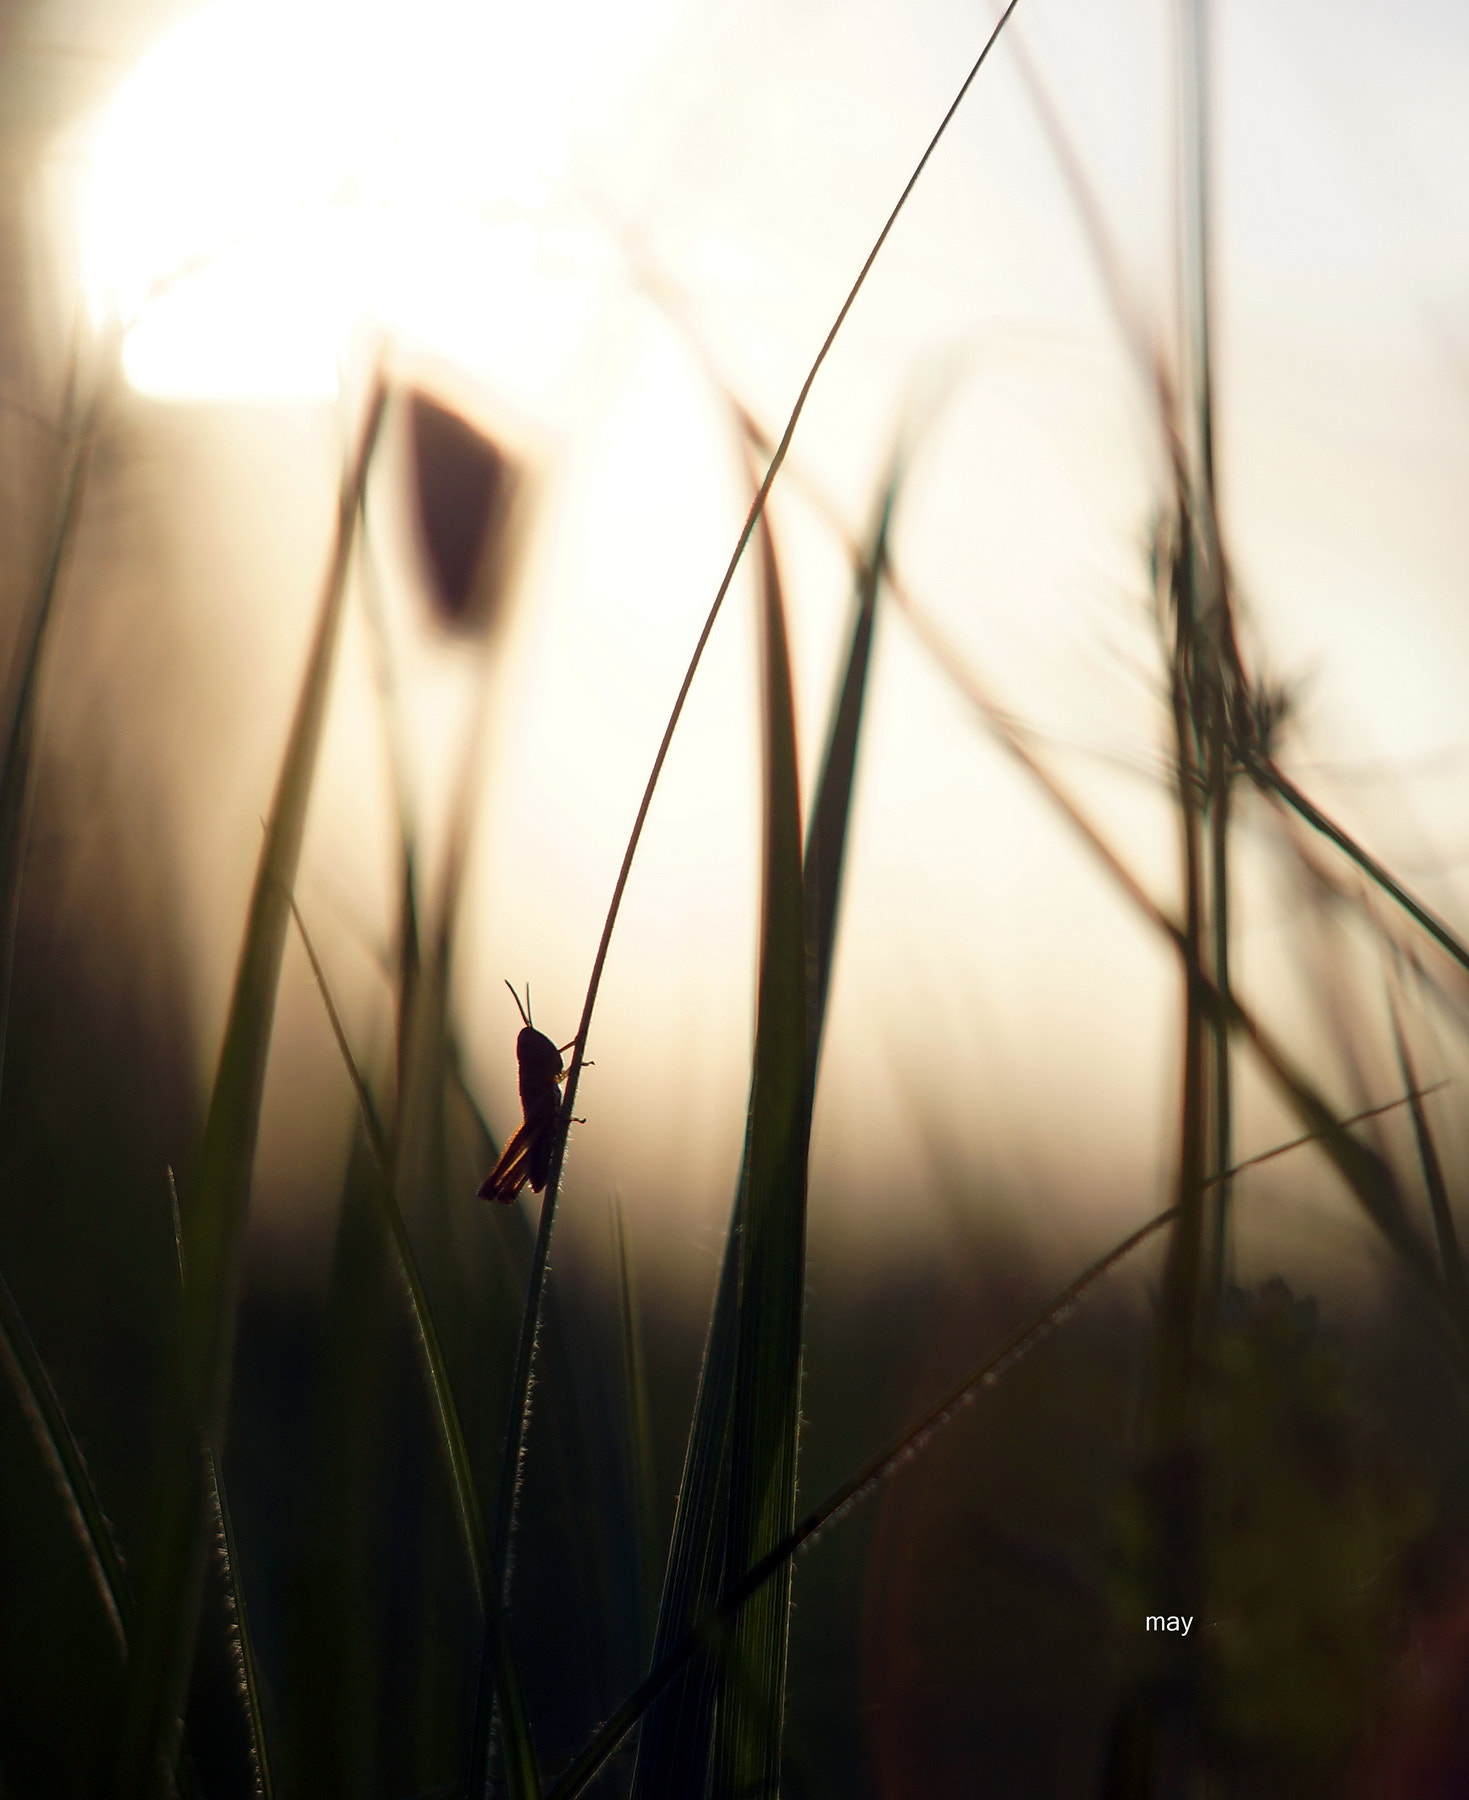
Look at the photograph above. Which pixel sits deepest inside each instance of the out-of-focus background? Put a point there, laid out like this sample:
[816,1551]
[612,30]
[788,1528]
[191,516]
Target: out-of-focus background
[577,228]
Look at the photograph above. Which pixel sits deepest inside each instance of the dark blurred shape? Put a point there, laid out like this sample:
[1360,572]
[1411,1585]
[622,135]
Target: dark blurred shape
[1314,1511]
[465,486]
[1419,1749]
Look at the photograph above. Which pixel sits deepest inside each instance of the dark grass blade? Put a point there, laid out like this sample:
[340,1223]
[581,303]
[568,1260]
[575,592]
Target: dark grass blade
[251,1693]
[673,1748]
[826,836]
[337,1646]
[1450,1254]
[637,1430]
[1271,780]
[385,681]
[765,1400]
[857,1487]
[673,1751]
[43,1410]
[217,1201]
[15,769]
[521,1766]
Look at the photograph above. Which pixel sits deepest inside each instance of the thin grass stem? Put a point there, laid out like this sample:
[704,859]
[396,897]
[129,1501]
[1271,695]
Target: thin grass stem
[63,1456]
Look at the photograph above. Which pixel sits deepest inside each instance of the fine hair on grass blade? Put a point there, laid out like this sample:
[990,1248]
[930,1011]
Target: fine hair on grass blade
[216,1202]
[857,1487]
[519,1750]
[519,1409]
[43,1412]
[241,1641]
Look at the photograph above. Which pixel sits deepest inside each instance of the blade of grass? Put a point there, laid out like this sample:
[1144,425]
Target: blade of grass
[519,1413]
[43,1410]
[15,768]
[522,1768]
[1271,780]
[243,1641]
[765,1398]
[338,1649]
[857,1487]
[214,1216]
[1170,1471]
[1179,1321]
[1450,1254]
[826,837]
[673,1748]
[638,1430]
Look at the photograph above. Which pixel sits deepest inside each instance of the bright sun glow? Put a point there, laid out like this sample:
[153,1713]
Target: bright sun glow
[274,176]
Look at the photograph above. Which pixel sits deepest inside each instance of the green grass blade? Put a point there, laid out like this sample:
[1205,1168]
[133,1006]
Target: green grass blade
[217,1202]
[42,1408]
[522,1767]
[765,1400]
[244,1643]
[856,1488]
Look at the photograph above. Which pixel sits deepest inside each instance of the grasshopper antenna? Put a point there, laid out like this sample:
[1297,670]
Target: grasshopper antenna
[524,1011]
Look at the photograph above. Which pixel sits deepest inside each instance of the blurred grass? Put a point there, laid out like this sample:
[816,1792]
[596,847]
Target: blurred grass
[213,1218]
[391,1644]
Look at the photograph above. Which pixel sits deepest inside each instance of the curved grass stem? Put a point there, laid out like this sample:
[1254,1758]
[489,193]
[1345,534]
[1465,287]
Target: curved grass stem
[518,1419]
